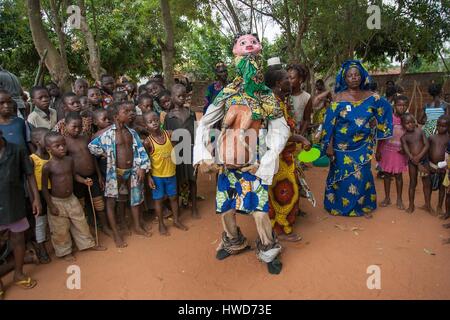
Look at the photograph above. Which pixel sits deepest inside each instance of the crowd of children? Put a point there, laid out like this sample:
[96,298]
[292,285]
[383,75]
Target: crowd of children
[96,152]
[420,151]
[100,151]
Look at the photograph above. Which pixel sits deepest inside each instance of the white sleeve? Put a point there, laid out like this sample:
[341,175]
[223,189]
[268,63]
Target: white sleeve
[202,137]
[277,135]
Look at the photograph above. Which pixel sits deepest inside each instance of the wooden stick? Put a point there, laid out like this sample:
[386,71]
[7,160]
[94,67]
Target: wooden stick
[95,218]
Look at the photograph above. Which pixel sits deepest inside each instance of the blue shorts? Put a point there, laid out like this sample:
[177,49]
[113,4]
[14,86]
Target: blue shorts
[164,187]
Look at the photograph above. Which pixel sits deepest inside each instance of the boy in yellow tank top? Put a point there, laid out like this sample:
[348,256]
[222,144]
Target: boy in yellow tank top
[162,176]
[38,160]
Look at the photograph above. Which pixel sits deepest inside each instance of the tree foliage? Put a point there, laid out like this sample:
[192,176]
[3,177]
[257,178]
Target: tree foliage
[320,34]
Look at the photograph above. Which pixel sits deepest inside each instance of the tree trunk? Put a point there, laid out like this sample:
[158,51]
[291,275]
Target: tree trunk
[301,30]
[58,23]
[59,70]
[168,47]
[95,67]
[289,37]
[234,16]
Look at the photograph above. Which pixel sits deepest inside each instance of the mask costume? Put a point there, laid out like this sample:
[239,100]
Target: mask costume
[245,106]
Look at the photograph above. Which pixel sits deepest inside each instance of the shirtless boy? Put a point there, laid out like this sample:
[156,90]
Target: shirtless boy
[127,163]
[86,167]
[416,146]
[66,216]
[438,146]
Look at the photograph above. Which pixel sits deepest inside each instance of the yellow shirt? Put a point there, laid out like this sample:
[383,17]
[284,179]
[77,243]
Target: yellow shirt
[38,165]
[162,164]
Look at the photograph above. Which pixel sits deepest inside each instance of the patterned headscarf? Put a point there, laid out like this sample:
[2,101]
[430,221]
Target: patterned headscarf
[341,84]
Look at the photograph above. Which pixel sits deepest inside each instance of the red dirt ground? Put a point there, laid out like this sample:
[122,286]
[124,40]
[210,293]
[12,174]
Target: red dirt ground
[329,263]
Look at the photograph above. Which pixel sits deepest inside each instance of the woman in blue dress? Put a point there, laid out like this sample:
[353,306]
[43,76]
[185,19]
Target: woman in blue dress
[355,120]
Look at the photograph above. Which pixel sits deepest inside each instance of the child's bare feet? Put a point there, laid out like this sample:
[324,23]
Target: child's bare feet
[69,258]
[147,227]
[428,209]
[167,213]
[120,243]
[446,226]
[141,232]
[400,204]
[179,225]
[410,209]
[386,202]
[98,248]
[163,230]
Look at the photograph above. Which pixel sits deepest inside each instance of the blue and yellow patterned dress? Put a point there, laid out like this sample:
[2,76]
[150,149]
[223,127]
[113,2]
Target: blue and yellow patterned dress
[350,189]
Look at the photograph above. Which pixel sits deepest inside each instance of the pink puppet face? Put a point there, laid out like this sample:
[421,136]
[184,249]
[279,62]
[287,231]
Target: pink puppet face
[247,44]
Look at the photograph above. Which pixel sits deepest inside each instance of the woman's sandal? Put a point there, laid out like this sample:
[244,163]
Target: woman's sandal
[27,283]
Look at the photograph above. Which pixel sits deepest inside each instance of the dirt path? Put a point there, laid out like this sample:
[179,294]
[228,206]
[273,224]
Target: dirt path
[329,263]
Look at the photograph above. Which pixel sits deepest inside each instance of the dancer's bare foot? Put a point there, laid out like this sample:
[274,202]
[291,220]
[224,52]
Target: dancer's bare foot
[400,204]
[439,211]
[446,241]
[410,209]
[69,258]
[98,248]
[293,237]
[179,225]
[141,232]
[163,230]
[446,226]
[386,202]
[120,243]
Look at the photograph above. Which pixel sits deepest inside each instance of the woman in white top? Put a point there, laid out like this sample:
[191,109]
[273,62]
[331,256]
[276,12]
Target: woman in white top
[300,99]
